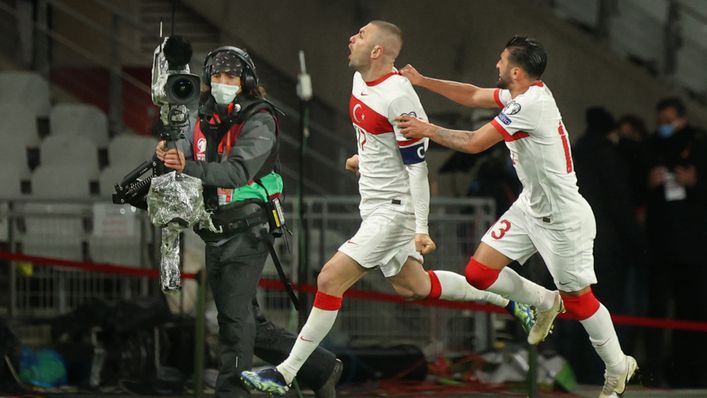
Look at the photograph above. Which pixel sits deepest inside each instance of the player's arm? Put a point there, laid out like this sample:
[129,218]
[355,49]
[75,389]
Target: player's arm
[416,168]
[412,153]
[461,93]
[459,140]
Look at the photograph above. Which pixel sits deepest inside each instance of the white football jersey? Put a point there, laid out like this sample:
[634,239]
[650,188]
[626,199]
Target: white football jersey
[383,151]
[532,128]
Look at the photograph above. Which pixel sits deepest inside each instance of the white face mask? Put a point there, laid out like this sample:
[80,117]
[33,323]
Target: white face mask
[224,93]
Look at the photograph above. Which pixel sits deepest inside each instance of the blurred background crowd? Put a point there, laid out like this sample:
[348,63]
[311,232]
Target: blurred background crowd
[628,76]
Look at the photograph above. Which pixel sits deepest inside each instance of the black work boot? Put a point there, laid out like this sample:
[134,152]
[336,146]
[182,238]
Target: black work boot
[328,390]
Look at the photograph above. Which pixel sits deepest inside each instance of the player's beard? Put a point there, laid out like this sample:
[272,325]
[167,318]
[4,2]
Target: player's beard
[503,81]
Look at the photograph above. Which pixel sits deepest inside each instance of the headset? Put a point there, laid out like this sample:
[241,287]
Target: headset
[249,77]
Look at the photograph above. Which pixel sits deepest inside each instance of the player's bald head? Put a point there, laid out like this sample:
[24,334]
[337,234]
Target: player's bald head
[388,36]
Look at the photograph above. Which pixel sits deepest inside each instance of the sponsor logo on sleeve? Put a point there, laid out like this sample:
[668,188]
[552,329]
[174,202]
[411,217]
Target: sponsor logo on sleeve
[411,114]
[504,119]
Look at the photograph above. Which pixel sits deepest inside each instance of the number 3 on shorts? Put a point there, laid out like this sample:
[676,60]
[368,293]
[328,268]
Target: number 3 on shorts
[505,226]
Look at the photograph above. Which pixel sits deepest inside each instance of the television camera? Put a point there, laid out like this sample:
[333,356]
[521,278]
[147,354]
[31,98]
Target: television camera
[173,89]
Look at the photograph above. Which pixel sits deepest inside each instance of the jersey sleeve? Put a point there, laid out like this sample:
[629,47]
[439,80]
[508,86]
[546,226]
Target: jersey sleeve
[411,150]
[502,97]
[518,118]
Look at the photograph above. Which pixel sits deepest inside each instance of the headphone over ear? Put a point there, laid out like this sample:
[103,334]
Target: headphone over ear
[249,78]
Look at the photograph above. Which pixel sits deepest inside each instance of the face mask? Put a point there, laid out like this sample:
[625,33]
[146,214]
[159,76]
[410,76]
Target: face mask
[665,130]
[224,93]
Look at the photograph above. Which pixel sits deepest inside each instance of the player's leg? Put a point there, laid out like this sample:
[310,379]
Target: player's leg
[337,276]
[596,320]
[367,247]
[487,270]
[508,240]
[273,344]
[568,254]
[414,283]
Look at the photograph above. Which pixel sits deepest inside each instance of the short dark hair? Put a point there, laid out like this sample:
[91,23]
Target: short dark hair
[672,102]
[389,27]
[599,120]
[392,39]
[635,122]
[527,53]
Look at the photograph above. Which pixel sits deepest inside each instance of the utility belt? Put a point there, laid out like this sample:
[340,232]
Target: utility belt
[233,219]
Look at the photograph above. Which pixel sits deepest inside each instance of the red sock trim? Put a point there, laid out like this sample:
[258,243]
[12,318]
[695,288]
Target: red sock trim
[436,288]
[479,275]
[327,302]
[580,307]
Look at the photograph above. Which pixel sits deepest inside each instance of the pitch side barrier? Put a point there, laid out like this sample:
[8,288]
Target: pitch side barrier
[354,294]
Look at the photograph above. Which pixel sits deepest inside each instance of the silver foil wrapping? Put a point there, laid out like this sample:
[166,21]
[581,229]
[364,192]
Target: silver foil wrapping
[175,202]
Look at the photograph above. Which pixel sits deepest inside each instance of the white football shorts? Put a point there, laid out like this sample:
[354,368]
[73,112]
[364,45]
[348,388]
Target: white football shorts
[567,250]
[385,239]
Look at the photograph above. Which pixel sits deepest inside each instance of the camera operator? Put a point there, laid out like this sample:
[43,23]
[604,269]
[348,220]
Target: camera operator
[233,149]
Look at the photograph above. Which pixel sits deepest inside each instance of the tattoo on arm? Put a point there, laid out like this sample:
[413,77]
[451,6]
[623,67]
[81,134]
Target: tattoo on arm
[458,140]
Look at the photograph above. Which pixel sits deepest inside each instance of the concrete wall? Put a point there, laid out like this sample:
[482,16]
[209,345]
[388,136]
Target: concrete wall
[453,39]
[94,42]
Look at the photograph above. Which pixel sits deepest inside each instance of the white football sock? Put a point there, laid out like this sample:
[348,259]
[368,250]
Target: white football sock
[456,288]
[313,332]
[513,286]
[603,337]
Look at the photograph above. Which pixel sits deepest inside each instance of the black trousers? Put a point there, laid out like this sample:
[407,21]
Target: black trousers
[234,269]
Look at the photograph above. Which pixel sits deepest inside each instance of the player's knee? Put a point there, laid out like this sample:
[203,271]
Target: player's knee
[326,280]
[479,275]
[409,290]
[580,307]
[405,292]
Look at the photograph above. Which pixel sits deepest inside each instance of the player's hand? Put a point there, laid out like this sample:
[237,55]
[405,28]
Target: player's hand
[412,74]
[160,151]
[412,127]
[424,244]
[352,164]
[174,159]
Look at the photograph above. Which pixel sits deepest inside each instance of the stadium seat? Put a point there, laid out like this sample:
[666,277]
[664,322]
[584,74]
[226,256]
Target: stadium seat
[58,150]
[129,150]
[26,88]
[50,229]
[11,176]
[79,120]
[63,182]
[19,124]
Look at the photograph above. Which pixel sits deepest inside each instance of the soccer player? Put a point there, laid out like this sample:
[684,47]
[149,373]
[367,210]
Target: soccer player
[394,206]
[549,216]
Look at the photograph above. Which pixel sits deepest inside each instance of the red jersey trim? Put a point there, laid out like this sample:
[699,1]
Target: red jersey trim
[404,144]
[508,137]
[381,79]
[566,148]
[497,97]
[538,83]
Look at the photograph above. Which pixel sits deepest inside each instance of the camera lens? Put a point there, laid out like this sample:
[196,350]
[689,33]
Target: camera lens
[183,88]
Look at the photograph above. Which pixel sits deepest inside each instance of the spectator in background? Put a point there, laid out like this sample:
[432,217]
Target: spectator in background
[676,220]
[632,146]
[603,179]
